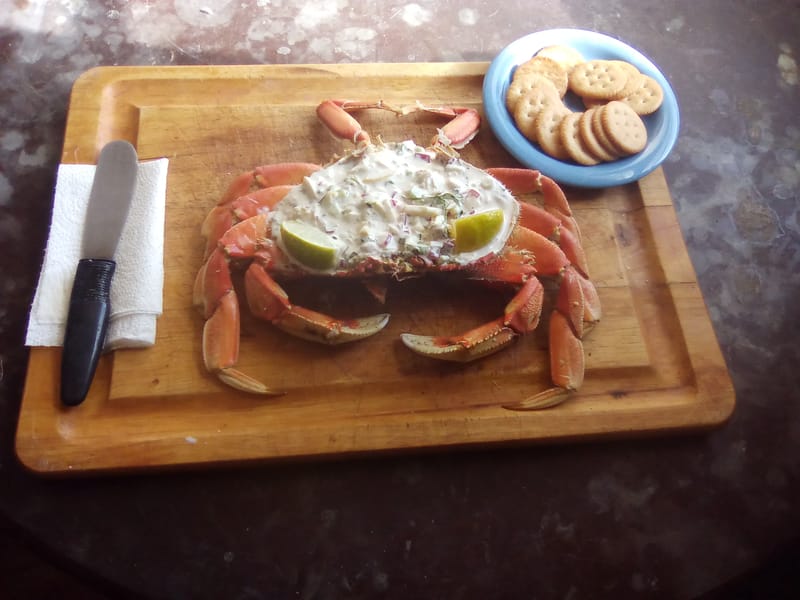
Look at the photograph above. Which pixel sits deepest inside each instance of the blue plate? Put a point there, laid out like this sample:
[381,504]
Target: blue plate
[662,126]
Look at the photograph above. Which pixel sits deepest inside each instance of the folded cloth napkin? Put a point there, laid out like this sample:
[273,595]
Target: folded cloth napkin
[136,290]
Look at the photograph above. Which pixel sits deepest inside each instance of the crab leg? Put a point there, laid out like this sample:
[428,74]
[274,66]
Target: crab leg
[530,181]
[267,176]
[521,315]
[550,226]
[551,260]
[458,132]
[514,266]
[240,200]
[224,216]
[566,354]
[221,347]
[268,300]
[238,187]
[577,302]
[333,115]
[471,345]
[214,291]
[566,366]
[284,173]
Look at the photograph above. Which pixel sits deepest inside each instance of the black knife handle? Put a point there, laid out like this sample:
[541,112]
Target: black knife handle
[87,321]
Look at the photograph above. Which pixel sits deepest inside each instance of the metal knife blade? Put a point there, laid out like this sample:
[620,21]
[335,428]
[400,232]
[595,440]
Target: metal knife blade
[89,307]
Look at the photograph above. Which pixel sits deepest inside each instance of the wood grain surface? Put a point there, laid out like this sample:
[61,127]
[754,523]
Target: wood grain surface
[653,363]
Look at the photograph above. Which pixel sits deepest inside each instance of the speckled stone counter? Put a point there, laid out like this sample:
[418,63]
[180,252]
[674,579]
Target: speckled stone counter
[670,517]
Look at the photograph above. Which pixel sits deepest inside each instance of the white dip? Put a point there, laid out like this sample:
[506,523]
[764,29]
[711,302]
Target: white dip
[396,201]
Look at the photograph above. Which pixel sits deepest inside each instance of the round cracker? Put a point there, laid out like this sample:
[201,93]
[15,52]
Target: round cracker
[547,131]
[600,79]
[573,142]
[542,95]
[590,140]
[624,128]
[600,134]
[646,98]
[524,84]
[632,81]
[567,56]
[547,67]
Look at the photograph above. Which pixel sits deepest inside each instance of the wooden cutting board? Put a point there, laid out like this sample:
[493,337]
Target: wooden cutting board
[653,363]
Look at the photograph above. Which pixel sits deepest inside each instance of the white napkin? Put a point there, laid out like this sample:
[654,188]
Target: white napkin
[136,289]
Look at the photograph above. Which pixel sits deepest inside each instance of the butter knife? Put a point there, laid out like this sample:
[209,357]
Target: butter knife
[89,305]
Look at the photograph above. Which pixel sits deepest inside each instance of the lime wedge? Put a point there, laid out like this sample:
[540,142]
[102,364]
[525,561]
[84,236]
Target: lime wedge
[308,245]
[475,231]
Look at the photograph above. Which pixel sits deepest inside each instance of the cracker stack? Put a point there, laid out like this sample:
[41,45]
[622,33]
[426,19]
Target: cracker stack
[615,94]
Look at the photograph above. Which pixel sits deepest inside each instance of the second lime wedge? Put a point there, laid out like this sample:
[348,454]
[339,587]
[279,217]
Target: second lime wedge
[308,245]
[473,232]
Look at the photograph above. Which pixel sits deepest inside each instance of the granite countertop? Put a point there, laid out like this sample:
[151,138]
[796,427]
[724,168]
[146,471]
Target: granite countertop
[665,517]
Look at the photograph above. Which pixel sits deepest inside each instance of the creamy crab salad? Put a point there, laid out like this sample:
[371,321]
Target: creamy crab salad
[396,200]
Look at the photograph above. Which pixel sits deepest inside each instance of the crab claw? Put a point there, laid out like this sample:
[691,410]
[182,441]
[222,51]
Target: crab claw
[521,315]
[268,301]
[317,327]
[459,131]
[476,343]
[340,123]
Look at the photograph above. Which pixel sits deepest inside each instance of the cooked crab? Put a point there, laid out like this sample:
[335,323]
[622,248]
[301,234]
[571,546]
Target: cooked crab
[395,210]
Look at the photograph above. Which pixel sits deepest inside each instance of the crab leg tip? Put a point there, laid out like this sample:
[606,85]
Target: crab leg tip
[357,329]
[364,327]
[464,349]
[546,399]
[425,344]
[240,381]
[434,347]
